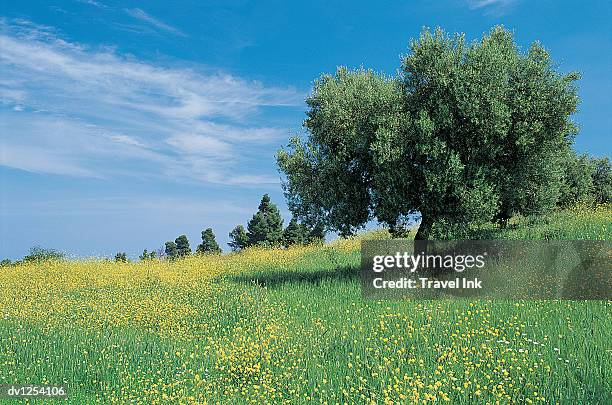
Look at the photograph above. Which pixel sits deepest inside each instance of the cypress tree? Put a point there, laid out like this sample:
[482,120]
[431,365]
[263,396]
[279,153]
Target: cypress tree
[144,255]
[294,233]
[121,257]
[266,226]
[239,238]
[171,250]
[209,244]
[182,246]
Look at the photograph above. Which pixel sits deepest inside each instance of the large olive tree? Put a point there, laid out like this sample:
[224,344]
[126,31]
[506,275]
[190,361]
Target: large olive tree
[467,132]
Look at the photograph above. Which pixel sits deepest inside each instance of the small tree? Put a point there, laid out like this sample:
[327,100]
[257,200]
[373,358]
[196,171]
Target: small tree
[121,257]
[182,246]
[171,250]
[209,245]
[302,234]
[144,255]
[5,263]
[602,180]
[40,254]
[238,238]
[294,233]
[266,226]
[577,183]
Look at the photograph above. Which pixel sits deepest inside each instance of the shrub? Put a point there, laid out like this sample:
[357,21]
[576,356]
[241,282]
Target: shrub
[121,257]
[39,254]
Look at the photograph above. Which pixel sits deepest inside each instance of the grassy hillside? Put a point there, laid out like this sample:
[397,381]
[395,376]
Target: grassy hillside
[273,326]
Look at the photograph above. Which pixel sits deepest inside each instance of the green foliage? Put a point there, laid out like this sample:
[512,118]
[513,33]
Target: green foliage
[403,227]
[266,226]
[121,257]
[602,180]
[238,238]
[579,223]
[301,234]
[294,233]
[209,245]
[182,246]
[577,184]
[5,263]
[39,254]
[146,255]
[328,176]
[585,180]
[468,132]
[316,233]
[171,250]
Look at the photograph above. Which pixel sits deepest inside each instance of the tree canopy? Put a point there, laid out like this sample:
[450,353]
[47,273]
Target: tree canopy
[182,246]
[209,244]
[238,238]
[294,233]
[121,257]
[301,234]
[577,184]
[467,132]
[171,250]
[602,180]
[40,254]
[266,226]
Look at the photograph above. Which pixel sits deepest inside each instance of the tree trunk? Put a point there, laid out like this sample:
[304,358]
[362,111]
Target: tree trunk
[424,228]
[421,245]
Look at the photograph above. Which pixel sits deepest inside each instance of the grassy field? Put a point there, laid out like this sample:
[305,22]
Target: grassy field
[274,326]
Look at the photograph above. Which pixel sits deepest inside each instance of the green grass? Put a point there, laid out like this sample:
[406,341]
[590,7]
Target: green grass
[292,326]
[579,223]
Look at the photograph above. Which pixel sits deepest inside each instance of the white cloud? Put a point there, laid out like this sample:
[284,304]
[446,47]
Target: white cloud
[254,179]
[144,16]
[492,6]
[92,112]
[34,159]
[92,3]
[128,140]
[49,144]
[485,3]
[199,144]
[237,133]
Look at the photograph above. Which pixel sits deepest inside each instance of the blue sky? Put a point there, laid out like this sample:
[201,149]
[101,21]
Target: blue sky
[124,124]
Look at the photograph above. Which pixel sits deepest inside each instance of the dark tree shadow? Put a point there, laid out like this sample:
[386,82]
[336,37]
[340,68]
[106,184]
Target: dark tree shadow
[276,278]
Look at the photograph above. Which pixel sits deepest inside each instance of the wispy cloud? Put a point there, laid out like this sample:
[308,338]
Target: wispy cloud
[196,144]
[497,7]
[73,110]
[136,206]
[144,16]
[92,3]
[46,143]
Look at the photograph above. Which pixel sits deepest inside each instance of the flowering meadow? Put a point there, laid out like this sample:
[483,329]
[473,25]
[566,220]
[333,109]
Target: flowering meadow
[291,326]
